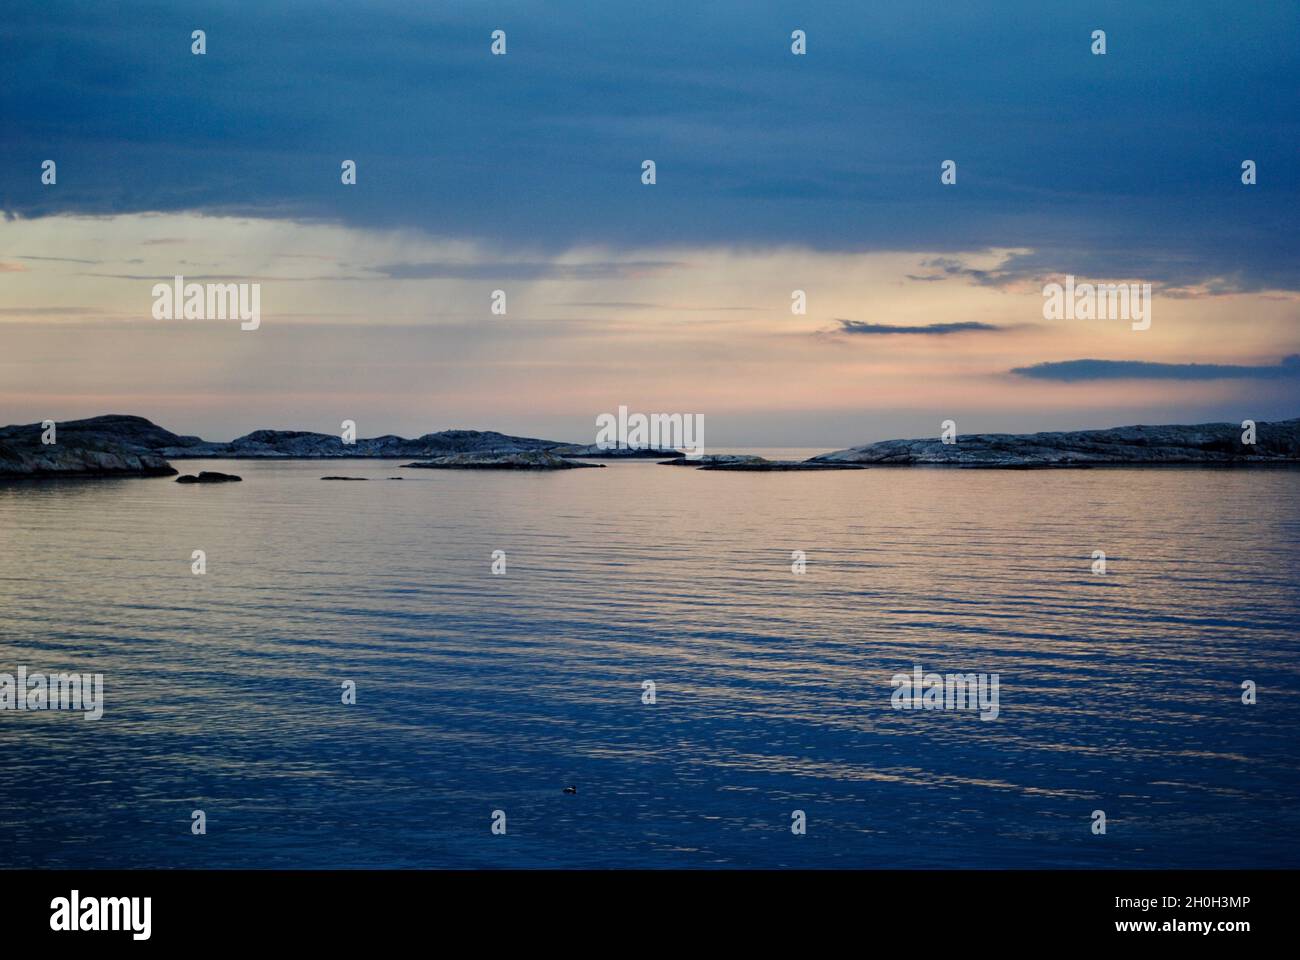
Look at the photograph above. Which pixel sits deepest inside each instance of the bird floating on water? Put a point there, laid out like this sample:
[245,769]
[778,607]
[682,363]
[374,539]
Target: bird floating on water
[570,789]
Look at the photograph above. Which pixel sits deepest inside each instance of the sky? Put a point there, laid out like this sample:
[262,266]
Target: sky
[775,172]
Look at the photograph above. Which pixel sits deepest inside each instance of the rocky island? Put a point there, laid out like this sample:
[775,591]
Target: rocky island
[531,460]
[305,445]
[110,446]
[120,445]
[1206,443]
[592,451]
[117,445]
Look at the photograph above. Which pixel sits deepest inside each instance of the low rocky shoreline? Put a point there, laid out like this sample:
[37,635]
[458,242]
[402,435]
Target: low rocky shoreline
[1207,443]
[118,445]
[532,460]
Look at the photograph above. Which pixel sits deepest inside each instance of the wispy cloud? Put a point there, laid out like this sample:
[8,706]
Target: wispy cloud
[46,311]
[633,305]
[61,259]
[520,270]
[953,267]
[928,329]
[216,277]
[1070,371]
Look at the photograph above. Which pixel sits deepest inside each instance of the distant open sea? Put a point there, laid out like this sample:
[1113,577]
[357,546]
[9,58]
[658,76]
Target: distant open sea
[478,692]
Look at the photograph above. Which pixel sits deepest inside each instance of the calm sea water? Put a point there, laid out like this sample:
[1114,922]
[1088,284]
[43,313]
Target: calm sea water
[479,693]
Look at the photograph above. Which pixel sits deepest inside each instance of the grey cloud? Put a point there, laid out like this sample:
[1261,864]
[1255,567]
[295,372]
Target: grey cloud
[1072,371]
[930,329]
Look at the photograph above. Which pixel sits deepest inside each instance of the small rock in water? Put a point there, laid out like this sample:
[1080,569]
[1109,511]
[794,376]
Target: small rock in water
[209,476]
[345,478]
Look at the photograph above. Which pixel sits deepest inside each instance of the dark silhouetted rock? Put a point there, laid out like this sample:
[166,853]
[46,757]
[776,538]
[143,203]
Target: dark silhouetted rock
[303,445]
[109,446]
[712,458]
[209,476]
[534,460]
[118,445]
[1208,443]
[592,451]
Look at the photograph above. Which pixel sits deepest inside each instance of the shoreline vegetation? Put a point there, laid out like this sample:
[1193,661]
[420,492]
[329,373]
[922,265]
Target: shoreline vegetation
[125,446]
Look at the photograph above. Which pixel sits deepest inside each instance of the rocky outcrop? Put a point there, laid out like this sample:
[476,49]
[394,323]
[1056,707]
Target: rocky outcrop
[110,446]
[712,458]
[532,460]
[20,462]
[302,444]
[1207,443]
[593,451]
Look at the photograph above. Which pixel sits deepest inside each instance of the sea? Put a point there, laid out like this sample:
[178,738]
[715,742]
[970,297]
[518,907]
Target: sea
[409,672]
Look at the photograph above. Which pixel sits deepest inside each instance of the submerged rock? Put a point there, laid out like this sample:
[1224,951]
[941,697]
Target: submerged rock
[209,476]
[1208,443]
[534,460]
